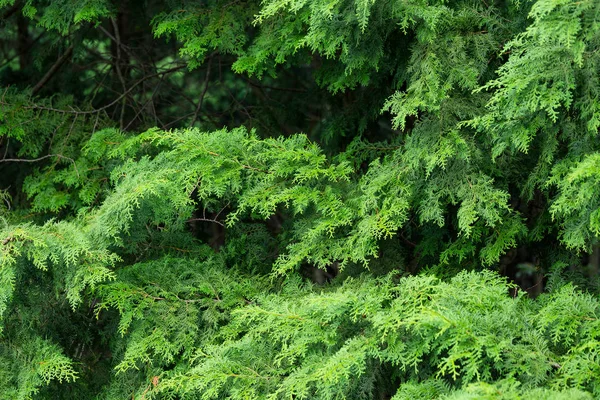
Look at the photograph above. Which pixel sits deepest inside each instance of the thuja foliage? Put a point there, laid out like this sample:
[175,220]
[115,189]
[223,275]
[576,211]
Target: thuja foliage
[299,199]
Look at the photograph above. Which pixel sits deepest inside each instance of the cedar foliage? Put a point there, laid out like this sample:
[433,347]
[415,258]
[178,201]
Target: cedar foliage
[300,199]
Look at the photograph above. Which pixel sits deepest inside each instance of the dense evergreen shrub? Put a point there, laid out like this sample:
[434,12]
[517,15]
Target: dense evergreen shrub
[299,199]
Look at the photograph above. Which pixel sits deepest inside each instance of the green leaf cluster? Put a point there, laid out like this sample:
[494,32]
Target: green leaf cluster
[299,199]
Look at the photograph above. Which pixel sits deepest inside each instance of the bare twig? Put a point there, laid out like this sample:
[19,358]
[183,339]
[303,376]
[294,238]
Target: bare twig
[177,120]
[118,42]
[297,90]
[145,104]
[95,123]
[31,160]
[214,220]
[6,150]
[201,101]
[117,65]
[112,103]
[61,60]
[221,210]
[207,220]
[29,46]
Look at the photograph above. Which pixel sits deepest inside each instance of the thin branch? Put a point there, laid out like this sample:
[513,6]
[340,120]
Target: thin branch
[6,150]
[29,46]
[59,63]
[411,244]
[31,160]
[114,39]
[273,87]
[221,210]
[34,159]
[112,103]
[207,220]
[201,101]
[177,120]
[118,67]
[7,203]
[146,103]
[95,123]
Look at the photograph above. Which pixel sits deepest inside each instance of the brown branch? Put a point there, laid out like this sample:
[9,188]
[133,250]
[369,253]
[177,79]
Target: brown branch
[118,67]
[222,209]
[118,42]
[35,159]
[207,220]
[201,101]
[112,103]
[59,63]
[6,150]
[145,104]
[30,160]
[273,87]
[411,244]
[178,119]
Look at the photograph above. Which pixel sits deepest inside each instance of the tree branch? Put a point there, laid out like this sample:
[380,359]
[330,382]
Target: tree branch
[207,220]
[118,67]
[59,63]
[201,101]
[28,160]
[112,103]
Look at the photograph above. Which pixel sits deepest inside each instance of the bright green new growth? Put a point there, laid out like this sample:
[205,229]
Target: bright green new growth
[299,199]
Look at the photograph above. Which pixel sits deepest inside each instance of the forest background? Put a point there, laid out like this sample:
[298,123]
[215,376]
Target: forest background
[299,199]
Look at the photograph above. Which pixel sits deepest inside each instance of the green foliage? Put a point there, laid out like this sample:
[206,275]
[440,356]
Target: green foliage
[63,16]
[437,338]
[25,369]
[77,263]
[336,199]
[577,203]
